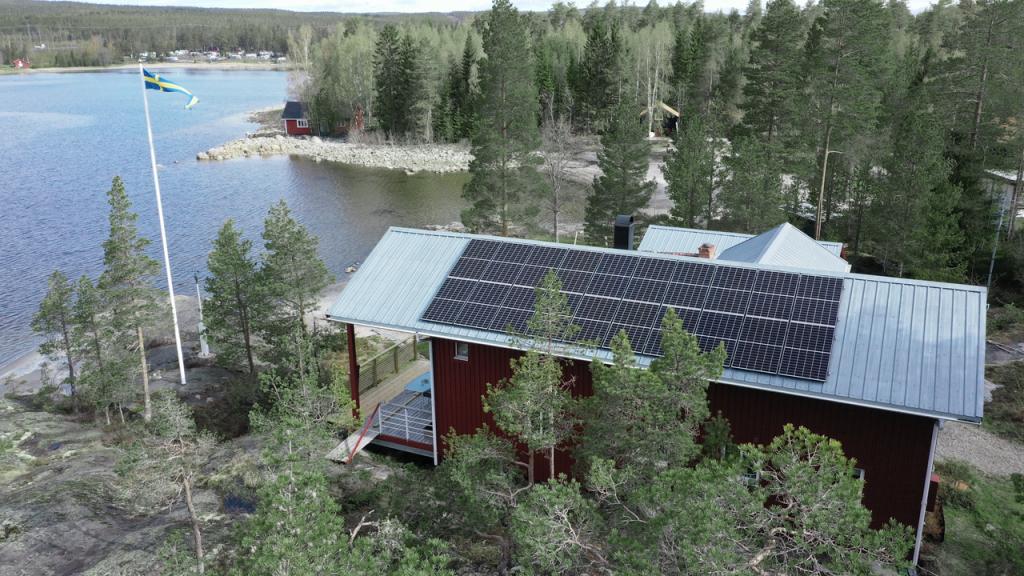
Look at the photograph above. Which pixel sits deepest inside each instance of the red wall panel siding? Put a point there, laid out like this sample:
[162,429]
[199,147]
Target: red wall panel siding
[292,128]
[460,385]
[892,448]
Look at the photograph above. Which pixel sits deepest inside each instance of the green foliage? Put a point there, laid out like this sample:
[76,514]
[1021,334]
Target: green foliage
[292,275]
[556,529]
[54,321]
[752,196]
[622,187]
[1004,415]
[772,84]
[691,174]
[718,438]
[505,134]
[598,91]
[482,470]
[398,82]
[235,300]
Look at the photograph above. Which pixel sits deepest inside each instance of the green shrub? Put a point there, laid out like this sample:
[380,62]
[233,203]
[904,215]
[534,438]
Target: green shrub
[1004,415]
[957,488]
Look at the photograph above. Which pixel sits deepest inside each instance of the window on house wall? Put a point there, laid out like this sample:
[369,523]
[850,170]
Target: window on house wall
[462,351]
[302,123]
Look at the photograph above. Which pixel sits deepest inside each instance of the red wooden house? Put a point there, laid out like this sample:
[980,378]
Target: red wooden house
[877,363]
[296,119]
[19,64]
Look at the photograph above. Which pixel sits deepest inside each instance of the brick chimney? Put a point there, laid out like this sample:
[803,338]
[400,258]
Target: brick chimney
[706,250]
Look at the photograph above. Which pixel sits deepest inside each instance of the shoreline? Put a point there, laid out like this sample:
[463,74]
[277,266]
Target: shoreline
[156,65]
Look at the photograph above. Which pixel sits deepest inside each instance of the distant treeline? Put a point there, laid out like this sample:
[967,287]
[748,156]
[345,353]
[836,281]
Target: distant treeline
[78,34]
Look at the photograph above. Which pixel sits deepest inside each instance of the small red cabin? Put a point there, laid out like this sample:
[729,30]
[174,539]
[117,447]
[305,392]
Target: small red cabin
[296,119]
[20,64]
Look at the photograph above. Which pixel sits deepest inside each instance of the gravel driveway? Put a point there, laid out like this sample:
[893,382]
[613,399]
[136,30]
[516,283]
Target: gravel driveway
[984,450]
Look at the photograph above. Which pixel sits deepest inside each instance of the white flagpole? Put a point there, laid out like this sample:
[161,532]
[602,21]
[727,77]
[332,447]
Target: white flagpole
[163,231]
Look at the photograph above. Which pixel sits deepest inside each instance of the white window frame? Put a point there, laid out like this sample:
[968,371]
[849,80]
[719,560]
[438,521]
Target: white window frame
[302,123]
[858,473]
[462,351]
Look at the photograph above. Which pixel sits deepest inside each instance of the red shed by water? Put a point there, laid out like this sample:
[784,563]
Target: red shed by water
[296,119]
[874,362]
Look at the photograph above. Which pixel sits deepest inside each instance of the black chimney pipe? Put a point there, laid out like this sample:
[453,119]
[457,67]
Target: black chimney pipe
[623,232]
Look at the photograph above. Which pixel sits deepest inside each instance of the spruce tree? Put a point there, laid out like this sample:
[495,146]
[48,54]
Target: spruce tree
[390,103]
[125,282]
[235,298]
[601,71]
[691,175]
[293,276]
[751,196]
[54,321]
[506,136]
[622,187]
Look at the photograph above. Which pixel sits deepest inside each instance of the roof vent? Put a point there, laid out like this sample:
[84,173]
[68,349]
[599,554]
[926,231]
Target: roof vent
[623,232]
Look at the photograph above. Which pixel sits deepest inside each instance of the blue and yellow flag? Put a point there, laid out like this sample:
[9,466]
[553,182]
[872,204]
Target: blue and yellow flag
[156,82]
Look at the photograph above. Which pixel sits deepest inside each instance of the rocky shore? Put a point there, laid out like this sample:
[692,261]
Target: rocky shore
[440,158]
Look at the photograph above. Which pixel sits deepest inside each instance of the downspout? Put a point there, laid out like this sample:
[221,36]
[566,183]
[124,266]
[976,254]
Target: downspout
[353,367]
[433,399]
[924,496]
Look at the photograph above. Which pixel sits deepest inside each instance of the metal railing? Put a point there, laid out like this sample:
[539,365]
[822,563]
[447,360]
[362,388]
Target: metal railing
[408,422]
[388,363]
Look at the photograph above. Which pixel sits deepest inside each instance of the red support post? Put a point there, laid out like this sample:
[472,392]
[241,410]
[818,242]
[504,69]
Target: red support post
[353,367]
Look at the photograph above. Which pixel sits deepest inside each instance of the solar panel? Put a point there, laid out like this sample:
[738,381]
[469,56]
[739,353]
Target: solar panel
[804,364]
[769,320]
[470,268]
[483,249]
[574,280]
[689,295]
[607,285]
[504,272]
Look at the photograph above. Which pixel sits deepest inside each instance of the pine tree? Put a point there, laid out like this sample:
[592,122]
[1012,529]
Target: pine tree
[752,197]
[293,276]
[54,321]
[772,74]
[534,405]
[506,137]
[691,175]
[622,187]
[235,298]
[125,282]
[103,368]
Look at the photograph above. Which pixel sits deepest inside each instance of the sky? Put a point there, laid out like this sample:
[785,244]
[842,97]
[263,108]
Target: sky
[412,6]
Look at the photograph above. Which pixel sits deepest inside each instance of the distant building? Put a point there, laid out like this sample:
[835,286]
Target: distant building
[20,64]
[295,118]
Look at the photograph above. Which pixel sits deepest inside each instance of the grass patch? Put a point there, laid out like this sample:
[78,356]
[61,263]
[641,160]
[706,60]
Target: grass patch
[1006,324]
[984,522]
[1004,415]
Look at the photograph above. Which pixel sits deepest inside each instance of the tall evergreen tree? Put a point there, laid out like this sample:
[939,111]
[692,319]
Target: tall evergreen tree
[125,282]
[391,103]
[601,71]
[293,276]
[691,174]
[236,298]
[54,321]
[772,74]
[751,197]
[622,187]
[506,136]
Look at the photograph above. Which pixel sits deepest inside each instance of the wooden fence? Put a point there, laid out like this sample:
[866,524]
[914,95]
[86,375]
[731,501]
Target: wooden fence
[388,363]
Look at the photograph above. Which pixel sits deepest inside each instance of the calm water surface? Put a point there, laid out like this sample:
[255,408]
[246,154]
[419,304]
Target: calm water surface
[63,137]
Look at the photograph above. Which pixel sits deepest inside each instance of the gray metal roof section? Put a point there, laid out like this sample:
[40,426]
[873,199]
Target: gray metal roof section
[671,240]
[785,245]
[901,345]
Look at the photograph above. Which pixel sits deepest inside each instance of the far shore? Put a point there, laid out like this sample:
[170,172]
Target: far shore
[227,65]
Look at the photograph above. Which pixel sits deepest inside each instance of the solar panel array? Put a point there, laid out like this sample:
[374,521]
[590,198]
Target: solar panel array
[769,321]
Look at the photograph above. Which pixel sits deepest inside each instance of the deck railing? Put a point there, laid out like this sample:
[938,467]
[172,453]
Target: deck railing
[407,419]
[388,363]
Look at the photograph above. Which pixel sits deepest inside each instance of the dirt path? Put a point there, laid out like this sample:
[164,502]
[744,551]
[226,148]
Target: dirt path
[982,449]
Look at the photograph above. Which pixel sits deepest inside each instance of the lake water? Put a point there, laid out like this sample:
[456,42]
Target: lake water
[63,137]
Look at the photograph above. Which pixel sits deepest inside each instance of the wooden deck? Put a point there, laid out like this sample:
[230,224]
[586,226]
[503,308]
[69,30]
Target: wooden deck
[389,389]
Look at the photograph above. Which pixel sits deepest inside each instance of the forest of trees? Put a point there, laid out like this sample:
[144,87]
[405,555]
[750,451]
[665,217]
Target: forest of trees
[905,109]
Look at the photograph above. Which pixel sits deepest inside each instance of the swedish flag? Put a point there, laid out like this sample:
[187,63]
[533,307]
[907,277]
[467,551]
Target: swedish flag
[156,82]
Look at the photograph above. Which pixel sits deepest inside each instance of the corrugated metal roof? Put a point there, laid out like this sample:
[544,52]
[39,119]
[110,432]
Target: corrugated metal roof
[901,345]
[670,240]
[785,245]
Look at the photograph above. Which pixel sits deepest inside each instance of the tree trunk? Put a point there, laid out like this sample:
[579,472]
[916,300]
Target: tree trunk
[106,412]
[1018,187]
[147,412]
[197,535]
[71,361]
[120,410]
[243,317]
[529,470]
[551,465]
